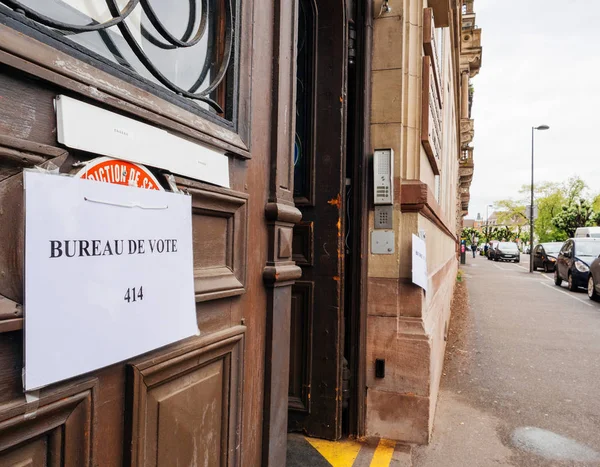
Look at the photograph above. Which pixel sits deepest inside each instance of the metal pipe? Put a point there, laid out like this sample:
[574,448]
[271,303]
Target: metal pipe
[531,209]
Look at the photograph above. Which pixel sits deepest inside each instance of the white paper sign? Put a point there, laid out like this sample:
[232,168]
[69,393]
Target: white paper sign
[419,262]
[108,274]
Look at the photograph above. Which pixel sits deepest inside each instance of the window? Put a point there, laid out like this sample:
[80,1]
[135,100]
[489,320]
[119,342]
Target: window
[304,136]
[185,47]
[590,248]
[440,33]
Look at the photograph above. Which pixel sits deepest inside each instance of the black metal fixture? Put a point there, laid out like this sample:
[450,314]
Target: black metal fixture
[166,41]
[531,209]
[379,368]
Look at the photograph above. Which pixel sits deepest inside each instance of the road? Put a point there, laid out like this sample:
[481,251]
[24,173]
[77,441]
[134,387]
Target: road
[524,388]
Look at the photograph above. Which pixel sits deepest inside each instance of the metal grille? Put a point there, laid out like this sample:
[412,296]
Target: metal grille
[209,27]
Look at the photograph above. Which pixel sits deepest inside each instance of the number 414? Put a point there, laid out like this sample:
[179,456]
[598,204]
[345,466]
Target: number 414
[132,296]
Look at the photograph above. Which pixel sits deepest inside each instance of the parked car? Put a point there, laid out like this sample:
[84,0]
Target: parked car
[544,256]
[593,286]
[507,251]
[587,232]
[574,260]
[491,249]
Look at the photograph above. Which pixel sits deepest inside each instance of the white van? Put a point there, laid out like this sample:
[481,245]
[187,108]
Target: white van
[583,232]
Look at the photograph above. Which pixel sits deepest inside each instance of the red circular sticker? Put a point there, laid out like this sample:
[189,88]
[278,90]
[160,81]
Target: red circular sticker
[119,172]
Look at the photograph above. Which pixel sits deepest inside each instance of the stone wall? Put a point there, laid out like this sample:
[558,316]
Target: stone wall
[405,325]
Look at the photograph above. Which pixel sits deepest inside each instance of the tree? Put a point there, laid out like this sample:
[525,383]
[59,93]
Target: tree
[596,203]
[512,214]
[575,189]
[576,214]
[596,208]
[504,234]
[489,233]
[470,235]
[550,197]
[549,205]
[562,207]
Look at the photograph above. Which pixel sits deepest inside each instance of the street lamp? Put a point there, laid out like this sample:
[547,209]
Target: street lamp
[487,223]
[531,210]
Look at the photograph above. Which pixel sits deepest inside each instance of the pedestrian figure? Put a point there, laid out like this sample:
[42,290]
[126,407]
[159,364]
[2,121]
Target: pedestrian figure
[474,248]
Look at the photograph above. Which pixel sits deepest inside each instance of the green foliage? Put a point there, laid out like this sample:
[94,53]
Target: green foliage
[488,233]
[549,205]
[496,233]
[554,201]
[470,235]
[504,234]
[576,214]
[510,212]
[575,189]
[596,205]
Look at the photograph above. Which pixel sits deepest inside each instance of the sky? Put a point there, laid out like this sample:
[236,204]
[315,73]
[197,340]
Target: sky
[540,66]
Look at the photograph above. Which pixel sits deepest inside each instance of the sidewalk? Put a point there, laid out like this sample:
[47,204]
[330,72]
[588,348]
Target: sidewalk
[520,385]
[520,382]
[462,434]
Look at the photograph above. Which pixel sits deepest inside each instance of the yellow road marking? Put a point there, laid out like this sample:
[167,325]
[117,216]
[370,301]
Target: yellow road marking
[383,454]
[337,453]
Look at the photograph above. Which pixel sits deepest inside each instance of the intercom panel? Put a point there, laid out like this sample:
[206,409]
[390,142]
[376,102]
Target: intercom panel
[383,170]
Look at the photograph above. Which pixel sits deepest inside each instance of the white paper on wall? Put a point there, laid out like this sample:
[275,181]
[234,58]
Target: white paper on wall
[419,262]
[108,274]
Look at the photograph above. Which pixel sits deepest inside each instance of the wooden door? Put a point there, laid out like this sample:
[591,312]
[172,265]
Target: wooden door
[180,404]
[316,355]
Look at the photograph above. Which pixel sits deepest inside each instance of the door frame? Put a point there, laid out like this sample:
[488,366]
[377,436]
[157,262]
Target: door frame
[362,169]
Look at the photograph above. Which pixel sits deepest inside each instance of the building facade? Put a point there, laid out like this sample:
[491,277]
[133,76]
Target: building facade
[308,317]
[421,108]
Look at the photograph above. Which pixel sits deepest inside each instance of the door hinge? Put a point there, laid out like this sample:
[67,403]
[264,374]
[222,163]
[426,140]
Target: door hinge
[351,43]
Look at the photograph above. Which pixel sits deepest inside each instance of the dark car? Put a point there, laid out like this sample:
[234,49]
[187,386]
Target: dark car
[492,249]
[574,260]
[544,255]
[593,287]
[507,251]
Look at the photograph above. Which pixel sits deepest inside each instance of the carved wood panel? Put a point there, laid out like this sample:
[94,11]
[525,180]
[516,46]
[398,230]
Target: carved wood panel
[54,431]
[219,222]
[301,346]
[186,405]
[15,155]
[31,454]
[303,244]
